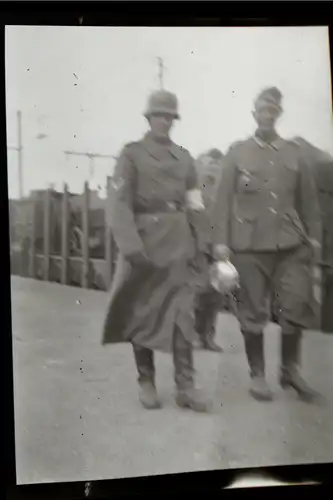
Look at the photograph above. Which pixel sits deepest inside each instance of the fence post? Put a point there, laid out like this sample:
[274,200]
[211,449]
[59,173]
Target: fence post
[64,236]
[47,212]
[32,263]
[85,237]
[108,236]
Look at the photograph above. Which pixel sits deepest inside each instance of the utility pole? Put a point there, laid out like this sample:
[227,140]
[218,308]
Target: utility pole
[19,149]
[91,156]
[161,72]
[20,162]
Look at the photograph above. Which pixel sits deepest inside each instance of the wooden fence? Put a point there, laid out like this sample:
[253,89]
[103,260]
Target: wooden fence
[88,271]
[61,268]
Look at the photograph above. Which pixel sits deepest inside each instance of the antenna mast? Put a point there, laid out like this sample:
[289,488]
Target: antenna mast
[161,72]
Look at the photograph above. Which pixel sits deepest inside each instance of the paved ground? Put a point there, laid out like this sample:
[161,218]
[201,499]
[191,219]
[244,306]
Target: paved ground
[77,415]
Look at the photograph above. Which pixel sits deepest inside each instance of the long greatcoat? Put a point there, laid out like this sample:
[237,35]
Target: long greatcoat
[149,215]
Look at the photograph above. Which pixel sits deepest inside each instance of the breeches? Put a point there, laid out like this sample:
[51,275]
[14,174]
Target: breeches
[279,281]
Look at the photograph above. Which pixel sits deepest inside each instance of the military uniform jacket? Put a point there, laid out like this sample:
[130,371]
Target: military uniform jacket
[147,209]
[267,200]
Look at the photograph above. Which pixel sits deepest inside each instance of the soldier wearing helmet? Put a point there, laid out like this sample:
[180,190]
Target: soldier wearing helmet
[263,218]
[155,209]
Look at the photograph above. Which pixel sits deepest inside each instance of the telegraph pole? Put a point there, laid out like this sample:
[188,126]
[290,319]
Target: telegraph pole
[91,157]
[20,158]
[161,72]
[19,149]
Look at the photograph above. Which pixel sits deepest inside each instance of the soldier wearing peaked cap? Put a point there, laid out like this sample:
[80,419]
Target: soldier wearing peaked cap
[153,212]
[263,217]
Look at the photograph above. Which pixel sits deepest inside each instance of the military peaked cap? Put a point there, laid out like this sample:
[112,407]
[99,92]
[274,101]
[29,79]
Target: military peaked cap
[271,95]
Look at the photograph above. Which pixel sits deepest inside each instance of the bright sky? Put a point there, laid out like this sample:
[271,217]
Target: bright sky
[215,72]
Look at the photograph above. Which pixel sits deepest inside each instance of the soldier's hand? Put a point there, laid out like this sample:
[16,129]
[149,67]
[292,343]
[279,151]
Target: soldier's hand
[222,252]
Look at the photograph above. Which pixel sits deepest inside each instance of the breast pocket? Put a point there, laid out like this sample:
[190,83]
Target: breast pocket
[247,182]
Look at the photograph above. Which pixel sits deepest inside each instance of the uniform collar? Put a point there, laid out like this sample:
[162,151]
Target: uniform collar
[157,149]
[275,143]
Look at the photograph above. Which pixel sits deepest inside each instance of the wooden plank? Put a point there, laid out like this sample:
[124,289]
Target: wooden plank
[65,236]
[32,254]
[85,237]
[47,231]
[108,238]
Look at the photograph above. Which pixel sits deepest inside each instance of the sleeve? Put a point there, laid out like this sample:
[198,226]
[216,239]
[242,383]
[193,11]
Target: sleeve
[193,195]
[121,217]
[196,213]
[308,204]
[192,176]
[222,207]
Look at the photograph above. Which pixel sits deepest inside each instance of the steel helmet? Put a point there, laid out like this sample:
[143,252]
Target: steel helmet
[215,154]
[162,101]
[224,277]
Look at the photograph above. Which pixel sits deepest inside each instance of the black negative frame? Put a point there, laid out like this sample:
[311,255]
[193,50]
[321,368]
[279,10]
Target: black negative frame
[150,13]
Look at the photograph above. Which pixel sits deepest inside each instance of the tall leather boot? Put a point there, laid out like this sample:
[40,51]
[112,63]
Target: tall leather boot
[254,347]
[187,396]
[290,361]
[144,359]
